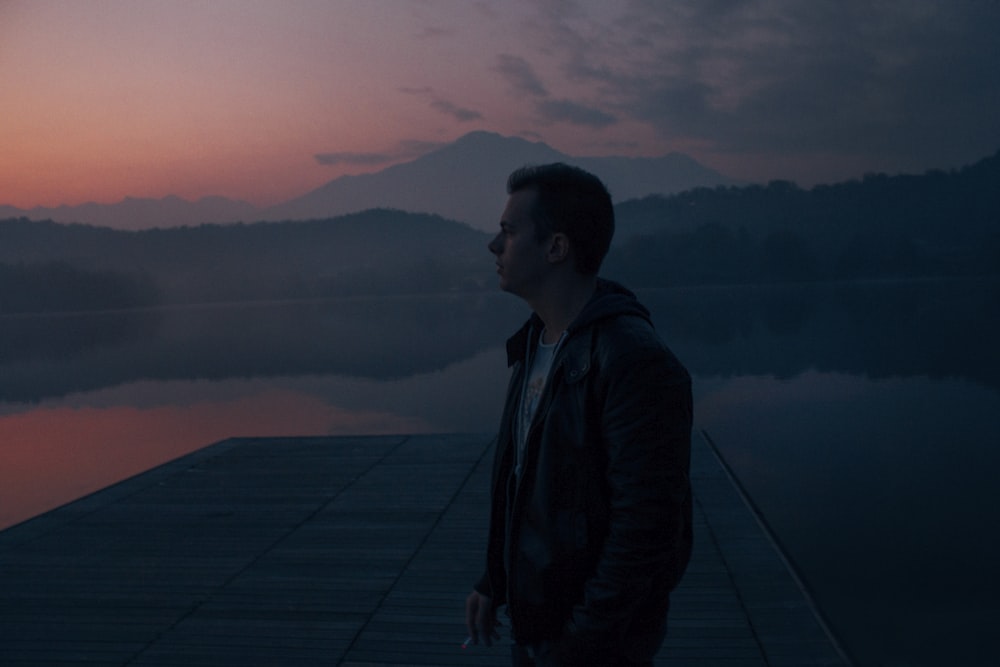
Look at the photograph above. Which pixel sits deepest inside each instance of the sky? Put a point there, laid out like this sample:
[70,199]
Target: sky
[266,100]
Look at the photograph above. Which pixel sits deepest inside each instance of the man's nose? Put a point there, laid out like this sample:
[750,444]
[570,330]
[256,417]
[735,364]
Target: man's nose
[494,246]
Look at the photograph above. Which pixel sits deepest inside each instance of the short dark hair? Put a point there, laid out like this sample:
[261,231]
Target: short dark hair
[573,202]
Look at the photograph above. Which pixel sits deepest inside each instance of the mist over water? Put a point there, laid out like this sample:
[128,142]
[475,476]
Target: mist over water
[860,417]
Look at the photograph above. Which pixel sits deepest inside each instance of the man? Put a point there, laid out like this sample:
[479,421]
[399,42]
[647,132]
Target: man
[590,521]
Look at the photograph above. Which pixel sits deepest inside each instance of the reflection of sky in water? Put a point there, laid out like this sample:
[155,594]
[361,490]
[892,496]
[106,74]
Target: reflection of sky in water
[884,494]
[64,448]
[54,454]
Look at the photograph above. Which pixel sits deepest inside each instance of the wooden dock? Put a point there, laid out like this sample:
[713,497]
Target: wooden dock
[350,551]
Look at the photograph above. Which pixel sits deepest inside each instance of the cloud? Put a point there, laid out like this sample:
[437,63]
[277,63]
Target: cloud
[413,148]
[443,105]
[555,111]
[520,76]
[523,80]
[407,149]
[782,76]
[456,112]
[354,159]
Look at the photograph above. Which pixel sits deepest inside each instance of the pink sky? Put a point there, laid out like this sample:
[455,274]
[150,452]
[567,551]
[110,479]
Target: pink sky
[240,98]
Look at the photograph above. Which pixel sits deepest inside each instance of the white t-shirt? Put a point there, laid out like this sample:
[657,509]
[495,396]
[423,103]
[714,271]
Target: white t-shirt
[534,384]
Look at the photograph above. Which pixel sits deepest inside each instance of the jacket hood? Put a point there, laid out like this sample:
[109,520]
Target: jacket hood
[610,300]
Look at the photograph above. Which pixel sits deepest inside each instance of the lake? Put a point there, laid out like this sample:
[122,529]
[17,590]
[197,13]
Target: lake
[862,419]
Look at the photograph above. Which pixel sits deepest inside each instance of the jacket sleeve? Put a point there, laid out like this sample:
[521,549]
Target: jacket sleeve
[646,417]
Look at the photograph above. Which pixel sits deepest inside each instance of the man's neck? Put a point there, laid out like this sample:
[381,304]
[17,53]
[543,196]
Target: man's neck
[558,307]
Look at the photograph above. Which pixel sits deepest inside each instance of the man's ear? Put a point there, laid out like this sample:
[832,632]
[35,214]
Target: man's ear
[558,248]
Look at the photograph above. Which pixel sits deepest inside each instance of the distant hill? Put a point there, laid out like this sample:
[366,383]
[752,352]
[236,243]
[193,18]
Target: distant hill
[462,181]
[935,224]
[143,213]
[374,252]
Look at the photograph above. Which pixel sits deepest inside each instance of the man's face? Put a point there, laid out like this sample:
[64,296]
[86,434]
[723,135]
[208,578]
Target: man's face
[521,258]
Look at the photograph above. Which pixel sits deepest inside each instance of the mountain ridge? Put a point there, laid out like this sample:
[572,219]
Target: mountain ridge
[463,181]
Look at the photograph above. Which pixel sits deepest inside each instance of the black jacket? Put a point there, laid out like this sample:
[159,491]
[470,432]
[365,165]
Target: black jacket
[598,531]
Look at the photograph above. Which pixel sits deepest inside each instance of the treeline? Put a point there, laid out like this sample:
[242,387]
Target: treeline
[932,225]
[936,224]
[61,267]
[58,286]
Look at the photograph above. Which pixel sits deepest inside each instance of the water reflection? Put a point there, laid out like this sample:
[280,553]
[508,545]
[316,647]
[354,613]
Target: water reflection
[381,338]
[66,447]
[937,329]
[861,417]
[56,453]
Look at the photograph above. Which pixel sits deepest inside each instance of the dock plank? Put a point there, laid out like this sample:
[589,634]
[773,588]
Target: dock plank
[350,551]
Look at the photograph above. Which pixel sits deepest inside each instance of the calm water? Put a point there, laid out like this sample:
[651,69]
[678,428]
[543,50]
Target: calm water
[863,419]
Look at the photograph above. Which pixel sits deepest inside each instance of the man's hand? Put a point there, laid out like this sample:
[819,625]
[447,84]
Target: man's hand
[481,618]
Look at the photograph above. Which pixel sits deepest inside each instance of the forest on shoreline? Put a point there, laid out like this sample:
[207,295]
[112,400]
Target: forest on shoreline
[938,224]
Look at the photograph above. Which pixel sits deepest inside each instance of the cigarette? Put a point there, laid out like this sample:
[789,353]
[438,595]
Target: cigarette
[465,644]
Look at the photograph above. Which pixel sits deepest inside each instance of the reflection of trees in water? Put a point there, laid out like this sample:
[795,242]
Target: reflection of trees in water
[380,338]
[932,328]
[53,355]
[69,336]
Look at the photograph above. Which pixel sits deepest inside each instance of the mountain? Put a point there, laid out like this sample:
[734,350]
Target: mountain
[462,181]
[465,181]
[142,213]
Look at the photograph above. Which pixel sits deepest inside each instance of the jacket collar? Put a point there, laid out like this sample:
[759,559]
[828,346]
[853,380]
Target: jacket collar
[574,355]
[610,300]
